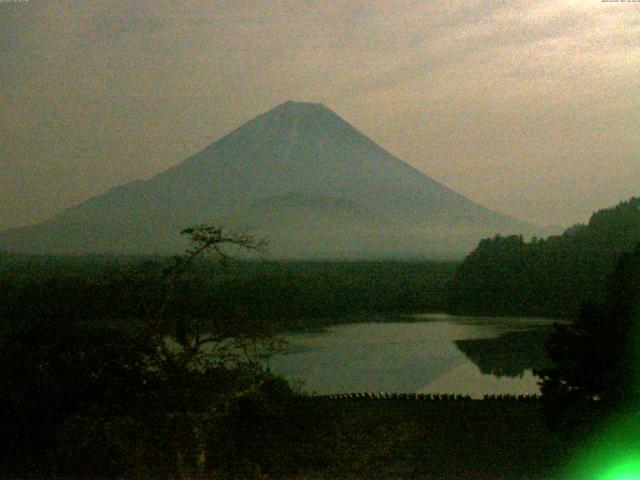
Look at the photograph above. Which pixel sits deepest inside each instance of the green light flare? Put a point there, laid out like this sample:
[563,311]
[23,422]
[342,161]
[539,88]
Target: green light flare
[612,452]
[627,470]
[615,454]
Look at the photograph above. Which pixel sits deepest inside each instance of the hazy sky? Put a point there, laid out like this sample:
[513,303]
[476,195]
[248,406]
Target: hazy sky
[528,107]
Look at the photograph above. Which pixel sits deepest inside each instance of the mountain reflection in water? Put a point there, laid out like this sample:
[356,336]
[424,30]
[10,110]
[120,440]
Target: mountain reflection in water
[436,354]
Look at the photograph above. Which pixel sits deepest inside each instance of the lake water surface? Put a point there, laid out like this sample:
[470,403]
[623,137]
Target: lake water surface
[423,353]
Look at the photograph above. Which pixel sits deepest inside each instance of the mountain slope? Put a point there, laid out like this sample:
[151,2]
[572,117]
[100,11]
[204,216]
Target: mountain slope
[298,173]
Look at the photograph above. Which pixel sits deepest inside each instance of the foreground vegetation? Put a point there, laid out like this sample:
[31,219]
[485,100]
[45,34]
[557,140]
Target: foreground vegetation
[83,395]
[275,434]
[153,368]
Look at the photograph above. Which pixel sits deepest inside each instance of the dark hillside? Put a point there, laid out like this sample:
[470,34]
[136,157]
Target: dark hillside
[545,277]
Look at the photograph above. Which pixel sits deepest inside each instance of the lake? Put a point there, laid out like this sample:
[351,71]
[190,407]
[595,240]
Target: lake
[420,353]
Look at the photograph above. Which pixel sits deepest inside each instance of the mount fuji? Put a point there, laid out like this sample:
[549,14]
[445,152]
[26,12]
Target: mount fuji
[298,174]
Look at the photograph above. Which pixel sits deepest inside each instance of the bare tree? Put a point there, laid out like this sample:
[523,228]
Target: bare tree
[192,358]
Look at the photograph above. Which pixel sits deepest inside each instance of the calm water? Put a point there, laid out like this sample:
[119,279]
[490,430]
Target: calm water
[428,354]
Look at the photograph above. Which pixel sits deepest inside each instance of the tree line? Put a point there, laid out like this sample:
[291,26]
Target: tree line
[286,295]
[550,277]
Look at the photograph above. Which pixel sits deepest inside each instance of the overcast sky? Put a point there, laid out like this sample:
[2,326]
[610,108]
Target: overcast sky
[529,107]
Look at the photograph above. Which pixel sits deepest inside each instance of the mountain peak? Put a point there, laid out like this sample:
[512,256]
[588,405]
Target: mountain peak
[292,107]
[311,120]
